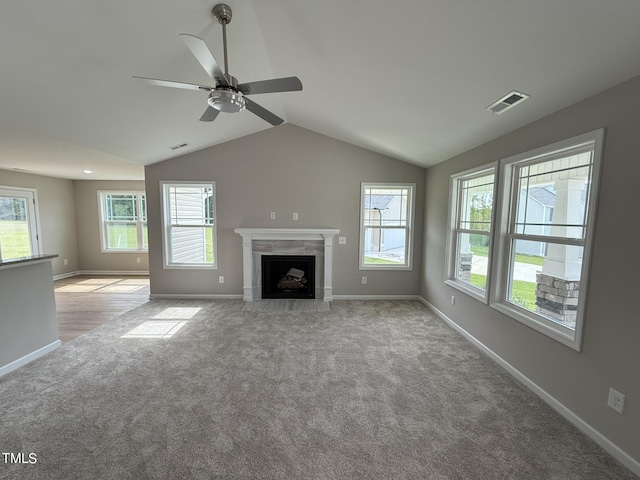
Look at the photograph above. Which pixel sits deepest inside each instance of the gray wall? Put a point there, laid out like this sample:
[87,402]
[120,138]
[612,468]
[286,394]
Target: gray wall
[87,212]
[28,312]
[611,351]
[284,169]
[70,222]
[57,216]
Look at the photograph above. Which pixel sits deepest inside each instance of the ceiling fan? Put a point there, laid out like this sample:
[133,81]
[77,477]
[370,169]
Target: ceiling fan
[227,95]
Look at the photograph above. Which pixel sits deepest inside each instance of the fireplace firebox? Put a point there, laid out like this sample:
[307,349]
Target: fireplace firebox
[288,276]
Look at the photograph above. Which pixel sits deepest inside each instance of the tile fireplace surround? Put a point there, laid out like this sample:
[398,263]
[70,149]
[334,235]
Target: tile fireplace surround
[286,241]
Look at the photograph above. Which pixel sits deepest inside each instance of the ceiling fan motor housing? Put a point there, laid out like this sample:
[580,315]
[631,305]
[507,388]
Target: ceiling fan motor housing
[222,13]
[227,100]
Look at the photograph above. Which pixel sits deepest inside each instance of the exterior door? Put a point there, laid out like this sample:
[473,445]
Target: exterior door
[19,236]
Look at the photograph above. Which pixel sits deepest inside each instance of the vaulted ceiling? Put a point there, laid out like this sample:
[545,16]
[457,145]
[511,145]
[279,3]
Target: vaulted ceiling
[409,78]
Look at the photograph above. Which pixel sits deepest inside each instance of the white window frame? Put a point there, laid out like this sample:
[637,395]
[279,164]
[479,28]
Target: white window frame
[407,265]
[139,222]
[455,231]
[33,214]
[165,185]
[504,234]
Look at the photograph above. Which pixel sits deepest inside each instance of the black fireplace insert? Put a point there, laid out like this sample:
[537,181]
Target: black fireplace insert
[288,276]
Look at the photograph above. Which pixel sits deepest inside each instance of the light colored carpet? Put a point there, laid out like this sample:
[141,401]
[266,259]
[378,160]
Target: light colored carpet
[205,390]
[286,305]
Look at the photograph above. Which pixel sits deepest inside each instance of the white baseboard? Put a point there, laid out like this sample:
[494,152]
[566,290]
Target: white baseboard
[64,275]
[10,367]
[615,451]
[376,297]
[100,272]
[189,296]
[111,272]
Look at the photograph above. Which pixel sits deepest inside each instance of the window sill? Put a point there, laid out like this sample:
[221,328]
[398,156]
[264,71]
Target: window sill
[469,290]
[189,267]
[112,250]
[386,267]
[564,335]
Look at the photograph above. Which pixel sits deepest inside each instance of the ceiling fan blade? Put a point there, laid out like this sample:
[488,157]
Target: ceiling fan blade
[262,112]
[202,53]
[287,84]
[209,115]
[169,83]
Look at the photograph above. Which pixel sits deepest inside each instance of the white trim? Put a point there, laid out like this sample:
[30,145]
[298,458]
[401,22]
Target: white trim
[610,447]
[30,357]
[65,275]
[250,234]
[140,224]
[165,208]
[196,296]
[34,217]
[409,230]
[505,218]
[99,272]
[111,272]
[451,247]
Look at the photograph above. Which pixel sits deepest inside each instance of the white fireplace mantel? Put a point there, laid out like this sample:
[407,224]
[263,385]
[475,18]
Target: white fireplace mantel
[250,234]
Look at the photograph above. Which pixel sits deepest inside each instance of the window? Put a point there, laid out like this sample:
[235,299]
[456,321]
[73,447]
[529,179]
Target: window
[189,224]
[548,199]
[469,236]
[18,223]
[386,220]
[123,221]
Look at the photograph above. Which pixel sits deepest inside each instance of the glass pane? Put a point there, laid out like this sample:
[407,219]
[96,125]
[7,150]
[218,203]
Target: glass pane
[472,262]
[552,197]
[143,202]
[122,207]
[385,246]
[122,236]
[386,206]
[545,278]
[15,241]
[192,245]
[476,202]
[145,237]
[191,205]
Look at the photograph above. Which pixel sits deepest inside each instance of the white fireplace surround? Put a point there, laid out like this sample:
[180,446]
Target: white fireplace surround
[302,234]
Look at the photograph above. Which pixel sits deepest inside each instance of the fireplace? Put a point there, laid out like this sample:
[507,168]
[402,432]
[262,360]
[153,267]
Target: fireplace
[288,276]
[259,242]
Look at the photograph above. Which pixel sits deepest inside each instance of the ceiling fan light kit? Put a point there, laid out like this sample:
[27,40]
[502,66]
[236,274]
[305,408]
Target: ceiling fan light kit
[227,100]
[227,95]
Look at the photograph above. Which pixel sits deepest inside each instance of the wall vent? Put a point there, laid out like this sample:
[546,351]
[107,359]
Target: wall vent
[510,100]
[180,145]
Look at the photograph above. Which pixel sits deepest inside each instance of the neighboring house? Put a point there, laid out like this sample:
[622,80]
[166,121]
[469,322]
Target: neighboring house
[539,210]
[377,209]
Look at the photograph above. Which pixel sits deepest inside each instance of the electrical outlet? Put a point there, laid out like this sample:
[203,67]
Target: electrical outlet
[342,240]
[138,260]
[65,262]
[453,300]
[220,279]
[616,400]
[273,215]
[364,280]
[295,215]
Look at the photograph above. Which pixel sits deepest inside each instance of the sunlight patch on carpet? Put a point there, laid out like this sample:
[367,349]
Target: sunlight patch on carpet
[155,329]
[165,324]
[184,313]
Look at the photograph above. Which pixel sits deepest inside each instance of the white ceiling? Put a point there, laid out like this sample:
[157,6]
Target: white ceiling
[409,78]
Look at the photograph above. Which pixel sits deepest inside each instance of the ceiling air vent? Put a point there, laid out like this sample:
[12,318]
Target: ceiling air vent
[180,145]
[510,100]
